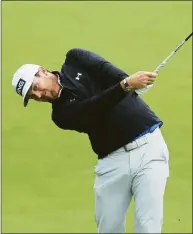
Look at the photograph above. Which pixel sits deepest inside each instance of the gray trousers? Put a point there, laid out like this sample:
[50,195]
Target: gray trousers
[138,170]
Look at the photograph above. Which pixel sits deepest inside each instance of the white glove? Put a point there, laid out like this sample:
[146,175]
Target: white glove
[143,90]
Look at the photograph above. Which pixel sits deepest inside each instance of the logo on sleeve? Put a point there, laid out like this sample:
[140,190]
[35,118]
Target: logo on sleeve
[20,86]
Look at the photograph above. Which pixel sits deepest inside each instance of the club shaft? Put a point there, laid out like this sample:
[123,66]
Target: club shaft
[164,62]
[161,65]
[141,91]
[189,36]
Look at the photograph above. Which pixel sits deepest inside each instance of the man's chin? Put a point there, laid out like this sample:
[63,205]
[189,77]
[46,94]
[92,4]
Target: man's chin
[50,100]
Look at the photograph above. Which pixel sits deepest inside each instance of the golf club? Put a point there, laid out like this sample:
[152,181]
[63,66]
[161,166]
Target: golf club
[161,65]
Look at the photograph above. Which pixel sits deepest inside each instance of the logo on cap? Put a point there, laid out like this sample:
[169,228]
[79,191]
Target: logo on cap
[20,86]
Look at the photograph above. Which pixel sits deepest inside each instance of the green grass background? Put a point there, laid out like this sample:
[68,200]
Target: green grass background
[47,173]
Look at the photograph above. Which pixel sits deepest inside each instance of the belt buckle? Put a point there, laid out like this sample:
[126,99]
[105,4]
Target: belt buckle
[142,141]
[130,146]
[136,143]
[139,142]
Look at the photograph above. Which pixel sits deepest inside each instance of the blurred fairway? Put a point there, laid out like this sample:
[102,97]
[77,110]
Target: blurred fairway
[47,173]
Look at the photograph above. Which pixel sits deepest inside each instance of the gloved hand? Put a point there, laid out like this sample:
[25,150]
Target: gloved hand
[143,90]
[139,82]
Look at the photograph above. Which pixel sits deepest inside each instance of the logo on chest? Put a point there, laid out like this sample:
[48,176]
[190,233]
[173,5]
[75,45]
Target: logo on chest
[78,76]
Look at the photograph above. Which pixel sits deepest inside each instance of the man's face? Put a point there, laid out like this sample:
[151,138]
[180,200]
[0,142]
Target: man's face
[44,86]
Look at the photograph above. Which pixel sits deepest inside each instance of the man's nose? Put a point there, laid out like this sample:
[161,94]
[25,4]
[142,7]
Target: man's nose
[38,94]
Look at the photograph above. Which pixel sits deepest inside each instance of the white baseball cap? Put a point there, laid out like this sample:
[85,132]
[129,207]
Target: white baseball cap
[23,79]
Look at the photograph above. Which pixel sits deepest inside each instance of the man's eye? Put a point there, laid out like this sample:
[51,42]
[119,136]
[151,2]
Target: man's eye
[35,88]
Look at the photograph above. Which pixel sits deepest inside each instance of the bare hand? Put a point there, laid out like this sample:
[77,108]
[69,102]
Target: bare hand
[141,79]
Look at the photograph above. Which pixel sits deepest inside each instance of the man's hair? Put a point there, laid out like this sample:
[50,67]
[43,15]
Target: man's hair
[37,74]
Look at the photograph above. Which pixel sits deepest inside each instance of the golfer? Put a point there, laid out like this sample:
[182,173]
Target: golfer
[91,95]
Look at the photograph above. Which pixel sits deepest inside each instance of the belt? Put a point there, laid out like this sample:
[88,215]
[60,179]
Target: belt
[136,143]
[140,139]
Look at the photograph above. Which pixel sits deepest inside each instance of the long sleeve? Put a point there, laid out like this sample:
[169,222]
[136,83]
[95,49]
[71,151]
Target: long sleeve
[81,115]
[98,67]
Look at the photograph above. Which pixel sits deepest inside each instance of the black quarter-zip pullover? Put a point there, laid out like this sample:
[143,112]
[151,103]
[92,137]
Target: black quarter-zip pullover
[93,102]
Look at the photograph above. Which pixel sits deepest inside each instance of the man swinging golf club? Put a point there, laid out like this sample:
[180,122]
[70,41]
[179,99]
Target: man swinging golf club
[91,95]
